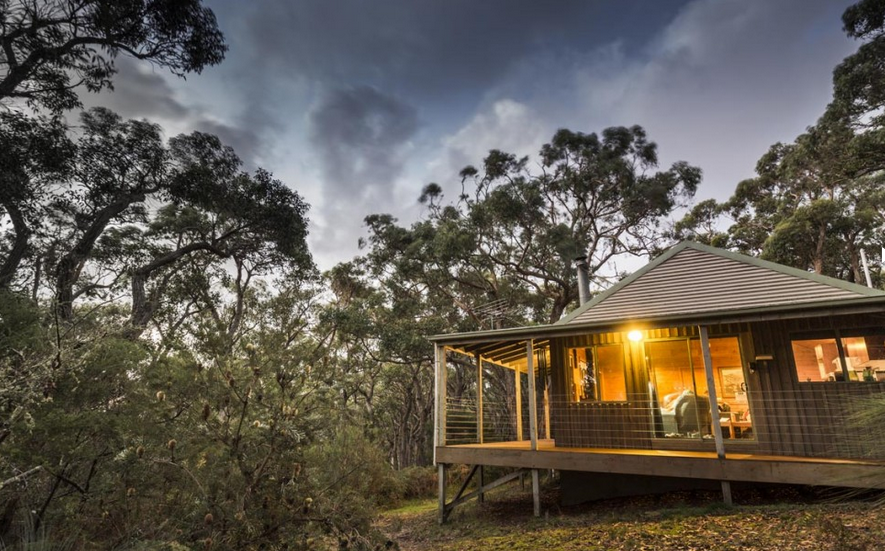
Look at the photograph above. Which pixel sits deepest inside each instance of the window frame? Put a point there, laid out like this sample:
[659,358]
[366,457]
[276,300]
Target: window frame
[838,335]
[592,348]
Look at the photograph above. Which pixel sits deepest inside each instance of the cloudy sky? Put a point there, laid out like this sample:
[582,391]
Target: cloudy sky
[357,104]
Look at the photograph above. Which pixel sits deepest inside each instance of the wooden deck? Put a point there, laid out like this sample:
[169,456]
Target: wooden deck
[735,467]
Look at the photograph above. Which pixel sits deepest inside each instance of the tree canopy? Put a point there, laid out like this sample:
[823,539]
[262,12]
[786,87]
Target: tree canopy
[49,49]
[514,234]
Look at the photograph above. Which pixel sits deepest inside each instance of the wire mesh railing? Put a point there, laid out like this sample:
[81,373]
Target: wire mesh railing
[827,420]
[498,423]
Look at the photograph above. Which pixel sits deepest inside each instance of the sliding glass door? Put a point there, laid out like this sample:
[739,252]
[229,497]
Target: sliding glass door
[681,397]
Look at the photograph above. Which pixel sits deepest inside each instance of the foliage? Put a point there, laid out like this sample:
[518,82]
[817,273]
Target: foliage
[417,482]
[513,235]
[36,152]
[50,48]
[202,439]
[859,81]
[812,206]
[103,240]
[865,418]
[195,436]
[28,366]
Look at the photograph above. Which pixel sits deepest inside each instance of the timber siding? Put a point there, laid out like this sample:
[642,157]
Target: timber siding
[788,415]
[694,280]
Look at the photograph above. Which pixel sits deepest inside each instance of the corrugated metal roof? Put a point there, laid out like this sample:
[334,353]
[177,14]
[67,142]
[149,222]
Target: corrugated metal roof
[717,288]
[692,279]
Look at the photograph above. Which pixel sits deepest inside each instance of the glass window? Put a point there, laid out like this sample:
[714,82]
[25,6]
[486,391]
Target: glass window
[681,400]
[597,374]
[865,357]
[817,360]
[610,373]
[859,357]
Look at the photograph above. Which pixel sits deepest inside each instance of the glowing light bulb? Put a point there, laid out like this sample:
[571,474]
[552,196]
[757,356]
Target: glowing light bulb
[635,335]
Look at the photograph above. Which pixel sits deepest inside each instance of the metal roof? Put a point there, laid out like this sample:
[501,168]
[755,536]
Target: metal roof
[691,284]
[691,278]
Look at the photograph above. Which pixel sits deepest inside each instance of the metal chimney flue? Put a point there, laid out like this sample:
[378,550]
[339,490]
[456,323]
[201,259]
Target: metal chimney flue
[583,279]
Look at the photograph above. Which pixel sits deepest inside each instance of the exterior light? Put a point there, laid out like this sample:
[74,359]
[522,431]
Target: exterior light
[635,335]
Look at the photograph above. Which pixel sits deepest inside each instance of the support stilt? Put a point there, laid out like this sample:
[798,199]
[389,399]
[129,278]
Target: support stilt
[536,492]
[714,408]
[442,493]
[726,493]
[482,482]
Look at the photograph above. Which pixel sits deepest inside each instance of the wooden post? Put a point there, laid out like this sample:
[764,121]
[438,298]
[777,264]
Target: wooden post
[714,407]
[533,402]
[536,492]
[442,492]
[482,482]
[516,376]
[439,389]
[479,383]
[711,390]
[435,400]
[726,493]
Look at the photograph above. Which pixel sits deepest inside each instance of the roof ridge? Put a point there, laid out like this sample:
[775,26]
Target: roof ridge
[725,254]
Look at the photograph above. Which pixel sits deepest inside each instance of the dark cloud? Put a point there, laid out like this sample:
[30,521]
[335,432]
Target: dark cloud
[433,49]
[245,141]
[358,133]
[141,93]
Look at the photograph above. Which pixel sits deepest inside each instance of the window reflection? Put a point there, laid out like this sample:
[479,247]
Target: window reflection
[862,358]
[597,374]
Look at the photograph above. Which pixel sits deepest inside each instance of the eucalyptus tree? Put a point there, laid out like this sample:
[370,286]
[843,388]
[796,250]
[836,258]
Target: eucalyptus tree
[701,224]
[514,234]
[36,153]
[136,207]
[382,365]
[596,197]
[815,202]
[50,48]
[859,81]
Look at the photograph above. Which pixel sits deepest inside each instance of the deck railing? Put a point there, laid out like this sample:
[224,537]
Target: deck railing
[818,420]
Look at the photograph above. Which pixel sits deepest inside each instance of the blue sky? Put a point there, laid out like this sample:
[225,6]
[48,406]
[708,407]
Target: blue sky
[357,104]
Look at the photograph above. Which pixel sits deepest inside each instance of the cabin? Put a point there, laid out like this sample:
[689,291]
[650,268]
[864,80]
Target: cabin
[703,367]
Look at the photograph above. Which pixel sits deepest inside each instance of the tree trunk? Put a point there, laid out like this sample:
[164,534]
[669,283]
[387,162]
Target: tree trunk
[143,307]
[854,262]
[71,264]
[817,260]
[19,245]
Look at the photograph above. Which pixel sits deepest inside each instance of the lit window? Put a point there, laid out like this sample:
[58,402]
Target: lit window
[597,374]
[849,358]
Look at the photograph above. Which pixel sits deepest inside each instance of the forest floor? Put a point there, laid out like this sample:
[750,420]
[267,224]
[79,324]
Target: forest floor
[783,519]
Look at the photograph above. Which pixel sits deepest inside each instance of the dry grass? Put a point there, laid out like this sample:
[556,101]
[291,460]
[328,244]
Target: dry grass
[784,519]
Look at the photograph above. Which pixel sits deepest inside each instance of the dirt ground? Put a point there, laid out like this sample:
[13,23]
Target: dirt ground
[781,518]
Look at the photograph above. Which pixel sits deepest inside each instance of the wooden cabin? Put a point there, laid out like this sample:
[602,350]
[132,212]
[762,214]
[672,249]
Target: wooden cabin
[705,365]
